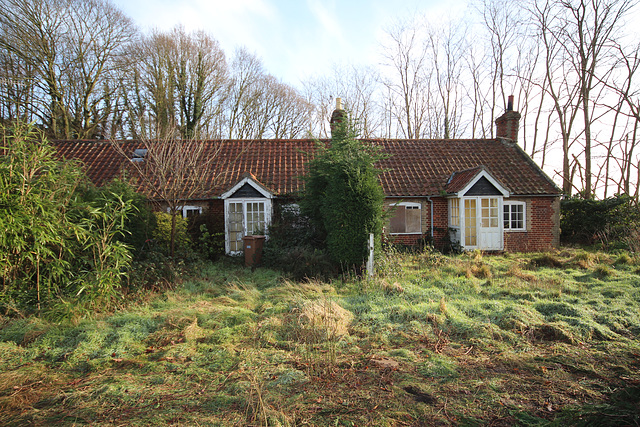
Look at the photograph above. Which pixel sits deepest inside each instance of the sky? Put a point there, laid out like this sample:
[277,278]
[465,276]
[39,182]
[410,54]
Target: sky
[296,39]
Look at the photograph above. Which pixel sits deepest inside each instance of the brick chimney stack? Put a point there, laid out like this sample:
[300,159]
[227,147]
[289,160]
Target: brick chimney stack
[337,116]
[508,124]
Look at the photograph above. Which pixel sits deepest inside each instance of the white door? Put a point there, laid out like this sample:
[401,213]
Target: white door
[490,229]
[244,218]
[235,227]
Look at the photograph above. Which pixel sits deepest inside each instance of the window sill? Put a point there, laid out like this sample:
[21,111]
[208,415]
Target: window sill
[405,234]
[515,230]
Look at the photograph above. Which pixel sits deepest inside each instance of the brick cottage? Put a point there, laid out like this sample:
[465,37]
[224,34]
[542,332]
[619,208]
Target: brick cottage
[484,194]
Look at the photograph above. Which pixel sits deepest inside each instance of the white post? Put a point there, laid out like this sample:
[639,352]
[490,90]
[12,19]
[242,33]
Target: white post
[370,260]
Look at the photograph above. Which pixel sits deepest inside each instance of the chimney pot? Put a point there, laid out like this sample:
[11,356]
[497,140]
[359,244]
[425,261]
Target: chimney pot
[337,117]
[508,124]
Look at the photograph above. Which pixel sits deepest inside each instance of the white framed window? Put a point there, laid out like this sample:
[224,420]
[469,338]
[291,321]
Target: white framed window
[188,211]
[514,216]
[245,217]
[406,218]
[454,212]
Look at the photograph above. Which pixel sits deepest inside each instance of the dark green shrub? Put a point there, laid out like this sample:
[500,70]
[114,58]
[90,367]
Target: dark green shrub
[608,221]
[207,234]
[343,197]
[292,247]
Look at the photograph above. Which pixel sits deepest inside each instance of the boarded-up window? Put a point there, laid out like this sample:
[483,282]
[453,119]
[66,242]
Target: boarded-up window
[406,219]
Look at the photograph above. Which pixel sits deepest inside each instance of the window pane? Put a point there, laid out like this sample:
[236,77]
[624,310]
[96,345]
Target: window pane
[514,216]
[412,217]
[454,212]
[235,226]
[506,216]
[518,213]
[470,221]
[489,213]
[255,218]
[397,222]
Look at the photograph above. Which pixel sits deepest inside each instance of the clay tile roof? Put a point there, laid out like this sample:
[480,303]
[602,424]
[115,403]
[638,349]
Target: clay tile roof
[423,167]
[278,165]
[413,167]
[458,180]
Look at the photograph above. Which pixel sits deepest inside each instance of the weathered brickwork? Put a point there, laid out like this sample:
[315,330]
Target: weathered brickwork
[441,221]
[543,227]
[542,217]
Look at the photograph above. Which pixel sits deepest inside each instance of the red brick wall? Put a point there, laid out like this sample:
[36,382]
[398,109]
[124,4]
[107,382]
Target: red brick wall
[441,221]
[440,225]
[404,239]
[543,227]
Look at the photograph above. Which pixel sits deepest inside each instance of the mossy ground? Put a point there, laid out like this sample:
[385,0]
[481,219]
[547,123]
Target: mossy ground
[475,339]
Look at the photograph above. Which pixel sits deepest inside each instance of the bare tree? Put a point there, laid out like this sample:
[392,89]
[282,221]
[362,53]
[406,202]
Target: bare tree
[98,34]
[292,113]
[358,87]
[448,46]
[559,83]
[243,93]
[171,170]
[68,49]
[409,82]
[578,37]
[17,86]
[587,30]
[625,85]
[178,80]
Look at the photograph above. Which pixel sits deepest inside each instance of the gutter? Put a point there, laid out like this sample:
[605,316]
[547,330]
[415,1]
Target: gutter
[431,215]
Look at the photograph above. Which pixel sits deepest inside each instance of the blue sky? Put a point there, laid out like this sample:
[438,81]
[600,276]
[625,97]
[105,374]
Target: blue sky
[296,39]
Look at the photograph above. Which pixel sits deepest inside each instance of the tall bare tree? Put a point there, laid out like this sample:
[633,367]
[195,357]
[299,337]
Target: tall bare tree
[448,47]
[410,79]
[171,170]
[578,36]
[358,87]
[178,81]
[243,93]
[70,48]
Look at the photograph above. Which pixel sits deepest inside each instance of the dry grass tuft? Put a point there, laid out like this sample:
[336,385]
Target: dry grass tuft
[327,316]
[515,270]
[443,306]
[392,288]
[546,260]
[481,271]
[193,332]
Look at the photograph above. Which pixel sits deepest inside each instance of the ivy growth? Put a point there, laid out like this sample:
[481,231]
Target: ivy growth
[343,197]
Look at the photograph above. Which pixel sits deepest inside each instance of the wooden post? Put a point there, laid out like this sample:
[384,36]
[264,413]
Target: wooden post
[370,260]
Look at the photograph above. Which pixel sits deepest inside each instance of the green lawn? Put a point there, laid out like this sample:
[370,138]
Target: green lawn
[541,339]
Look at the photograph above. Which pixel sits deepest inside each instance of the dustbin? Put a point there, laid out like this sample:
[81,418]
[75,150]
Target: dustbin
[253,250]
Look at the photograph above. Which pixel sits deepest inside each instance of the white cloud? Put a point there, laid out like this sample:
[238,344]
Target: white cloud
[295,38]
[328,20]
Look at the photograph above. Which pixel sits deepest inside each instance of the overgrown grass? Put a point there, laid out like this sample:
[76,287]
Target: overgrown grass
[545,339]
